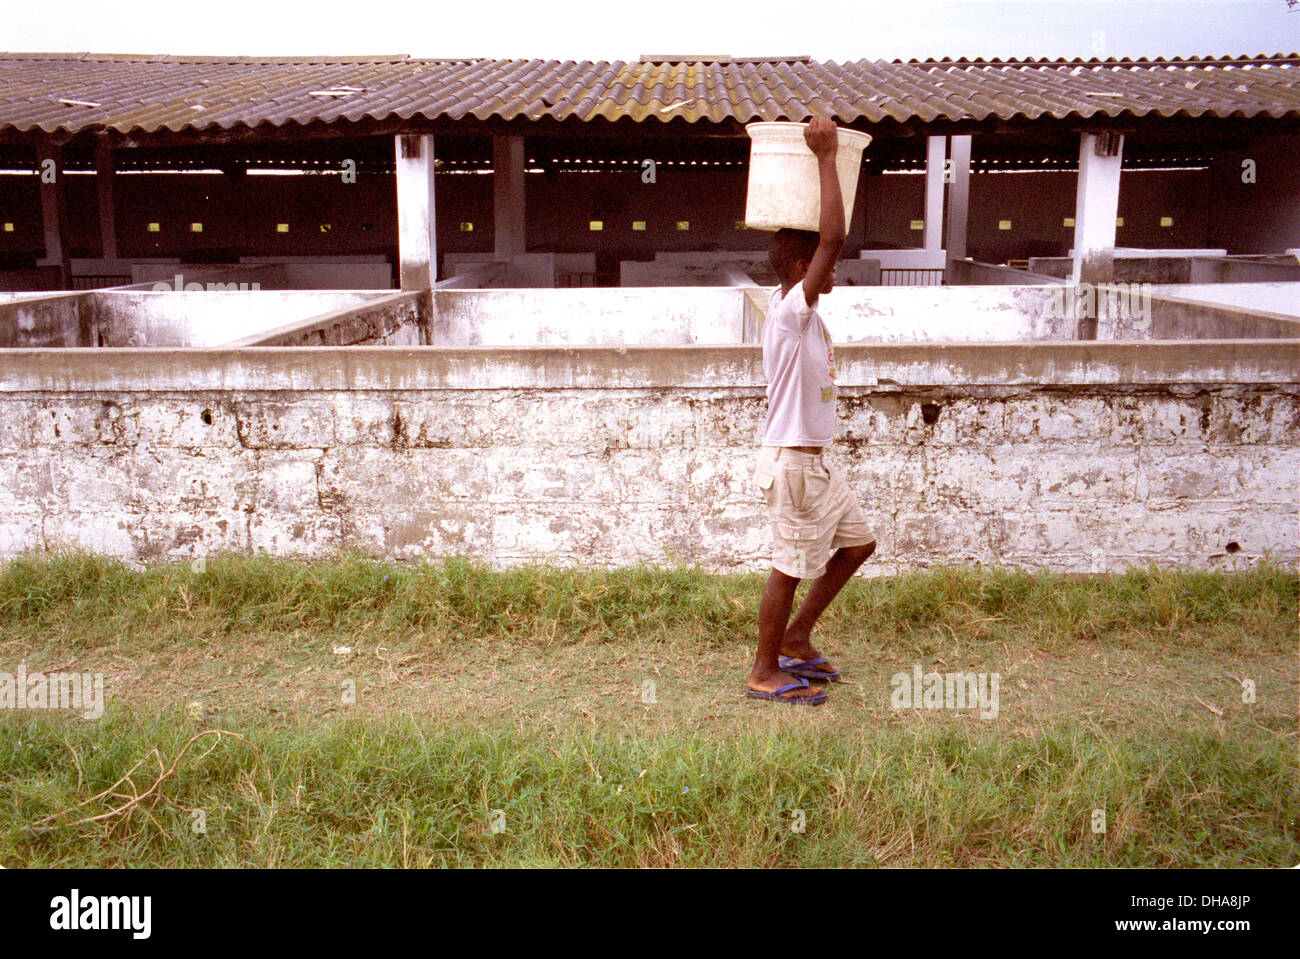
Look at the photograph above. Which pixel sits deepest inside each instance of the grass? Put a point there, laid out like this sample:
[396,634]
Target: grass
[518,698]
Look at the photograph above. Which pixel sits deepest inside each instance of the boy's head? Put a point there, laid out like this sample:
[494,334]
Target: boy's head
[791,252]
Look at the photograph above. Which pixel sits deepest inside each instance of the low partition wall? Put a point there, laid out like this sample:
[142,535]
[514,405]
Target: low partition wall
[165,319]
[670,316]
[677,316]
[1070,456]
[44,320]
[397,319]
[586,316]
[206,318]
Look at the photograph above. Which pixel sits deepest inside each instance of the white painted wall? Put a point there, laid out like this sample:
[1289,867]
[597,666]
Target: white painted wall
[210,318]
[1281,298]
[1074,457]
[940,314]
[588,316]
[915,259]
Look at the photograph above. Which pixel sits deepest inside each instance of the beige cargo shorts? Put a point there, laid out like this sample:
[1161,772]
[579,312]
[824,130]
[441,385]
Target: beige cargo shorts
[813,511]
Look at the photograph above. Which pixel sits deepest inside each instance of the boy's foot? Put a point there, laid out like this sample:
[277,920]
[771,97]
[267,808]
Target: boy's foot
[815,664]
[815,668]
[778,686]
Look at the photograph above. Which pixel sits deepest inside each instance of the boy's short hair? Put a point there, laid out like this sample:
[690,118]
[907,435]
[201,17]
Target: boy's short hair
[788,248]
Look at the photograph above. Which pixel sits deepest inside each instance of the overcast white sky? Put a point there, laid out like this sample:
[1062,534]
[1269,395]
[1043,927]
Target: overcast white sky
[626,29]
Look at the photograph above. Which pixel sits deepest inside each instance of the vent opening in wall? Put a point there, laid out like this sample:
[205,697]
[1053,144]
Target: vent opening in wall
[929,413]
[1233,547]
[207,417]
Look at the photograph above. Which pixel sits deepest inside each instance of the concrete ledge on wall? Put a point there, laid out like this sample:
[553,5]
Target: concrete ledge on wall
[470,368]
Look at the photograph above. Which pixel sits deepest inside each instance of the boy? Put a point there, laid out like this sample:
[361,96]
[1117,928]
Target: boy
[819,530]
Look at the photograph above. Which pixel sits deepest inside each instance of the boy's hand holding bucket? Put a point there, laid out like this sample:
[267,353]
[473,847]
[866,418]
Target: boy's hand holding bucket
[822,136]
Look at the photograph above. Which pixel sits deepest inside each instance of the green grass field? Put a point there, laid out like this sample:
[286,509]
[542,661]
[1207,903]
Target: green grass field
[358,713]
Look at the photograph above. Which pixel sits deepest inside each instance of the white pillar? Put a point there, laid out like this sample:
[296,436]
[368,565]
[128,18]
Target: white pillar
[105,171]
[508,195]
[958,199]
[1096,205]
[934,161]
[417,246]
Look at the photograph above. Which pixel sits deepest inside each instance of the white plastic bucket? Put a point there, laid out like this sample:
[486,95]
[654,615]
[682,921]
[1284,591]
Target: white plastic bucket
[784,185]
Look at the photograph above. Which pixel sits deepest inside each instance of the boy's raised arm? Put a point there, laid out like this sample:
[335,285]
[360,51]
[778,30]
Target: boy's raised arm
[822,138]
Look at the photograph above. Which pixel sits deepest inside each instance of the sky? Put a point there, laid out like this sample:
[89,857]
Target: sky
[628,29]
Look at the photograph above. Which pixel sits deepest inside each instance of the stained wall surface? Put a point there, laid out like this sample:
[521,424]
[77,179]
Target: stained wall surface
[1072,456]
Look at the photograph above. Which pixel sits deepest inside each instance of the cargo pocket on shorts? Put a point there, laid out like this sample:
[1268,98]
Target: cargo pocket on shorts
[798,540]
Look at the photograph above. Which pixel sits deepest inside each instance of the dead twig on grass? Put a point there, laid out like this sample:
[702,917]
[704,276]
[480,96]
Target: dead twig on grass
[1214,709]
[146,801]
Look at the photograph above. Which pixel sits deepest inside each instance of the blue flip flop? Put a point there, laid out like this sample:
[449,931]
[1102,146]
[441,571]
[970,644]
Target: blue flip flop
[804,668]
[776,696]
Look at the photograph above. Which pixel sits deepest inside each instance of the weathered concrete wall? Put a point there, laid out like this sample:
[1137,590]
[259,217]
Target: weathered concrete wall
[1280,298]
[267,276]
[1222,269]
[942,314]
[1152,269]
[712,268]
[672,268]
[968,272]
[597,317]
[398,319]
[44,320]
[273,273]
[587,317]
[1177,318]
[1074,456]
[522,271]
[331,272]
[1157,266]
[682,316]
[666,274]
[209,318]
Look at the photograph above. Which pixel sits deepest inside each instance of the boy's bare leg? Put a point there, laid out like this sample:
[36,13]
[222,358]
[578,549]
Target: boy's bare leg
[839,569]
[773,614]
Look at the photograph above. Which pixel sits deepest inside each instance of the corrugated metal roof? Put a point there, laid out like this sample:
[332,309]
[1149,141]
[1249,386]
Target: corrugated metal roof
[72,92]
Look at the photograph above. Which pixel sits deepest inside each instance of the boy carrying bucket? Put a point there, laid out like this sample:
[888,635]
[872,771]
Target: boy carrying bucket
[818,528]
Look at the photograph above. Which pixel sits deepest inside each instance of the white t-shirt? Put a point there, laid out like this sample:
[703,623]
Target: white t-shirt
[799,363]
